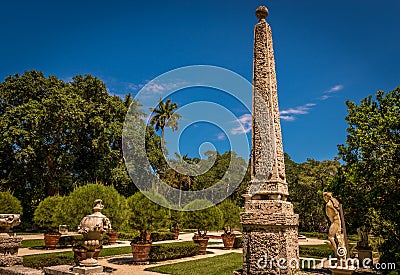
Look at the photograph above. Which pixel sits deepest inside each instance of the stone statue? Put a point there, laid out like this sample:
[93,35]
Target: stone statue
[333,210]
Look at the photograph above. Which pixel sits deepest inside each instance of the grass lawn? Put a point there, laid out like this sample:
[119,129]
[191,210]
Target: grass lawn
[218,265]
[32,243]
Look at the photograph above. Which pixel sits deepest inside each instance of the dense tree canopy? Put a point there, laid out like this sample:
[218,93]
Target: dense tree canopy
[369,184]
[306,181]
[55,135]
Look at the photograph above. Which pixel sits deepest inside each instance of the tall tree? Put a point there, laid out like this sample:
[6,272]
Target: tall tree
[164,115]
[370,181]
[306,181]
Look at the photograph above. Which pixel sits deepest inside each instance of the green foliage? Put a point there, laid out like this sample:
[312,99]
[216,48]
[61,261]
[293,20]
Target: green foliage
[218,265]
[238,242]
[204,219]
[9,204]
[162,236]
[171,251]
[55,133]
[306,181]
[164,115]
[369,183]
[80,203]
[43,260]
[145,215]
[231,215]
[318,251]
[48,213]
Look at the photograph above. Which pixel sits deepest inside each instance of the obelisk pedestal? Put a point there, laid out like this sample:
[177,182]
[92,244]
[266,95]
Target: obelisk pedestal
[270,227]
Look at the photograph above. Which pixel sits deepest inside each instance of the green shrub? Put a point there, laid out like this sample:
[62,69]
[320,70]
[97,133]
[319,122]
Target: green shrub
[145,215]
[321,251]
[79,203]
[204,219]
[48,213]
[9,204]
[43,260]
[238,242]
[128,236]
[162,236]
[171,251]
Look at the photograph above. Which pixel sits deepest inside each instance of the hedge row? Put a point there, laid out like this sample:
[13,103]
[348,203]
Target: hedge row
[43,260]
[162,252]
[155,236]
[159,252]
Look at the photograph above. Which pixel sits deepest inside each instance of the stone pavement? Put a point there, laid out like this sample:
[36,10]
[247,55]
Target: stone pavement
[123,264]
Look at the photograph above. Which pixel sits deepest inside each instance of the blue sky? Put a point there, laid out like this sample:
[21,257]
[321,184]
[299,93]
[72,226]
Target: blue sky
[326,52]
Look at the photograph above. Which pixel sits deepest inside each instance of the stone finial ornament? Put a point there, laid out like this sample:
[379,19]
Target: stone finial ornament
[262,13]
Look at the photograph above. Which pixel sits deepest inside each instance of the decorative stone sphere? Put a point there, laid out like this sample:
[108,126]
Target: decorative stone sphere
[261,12]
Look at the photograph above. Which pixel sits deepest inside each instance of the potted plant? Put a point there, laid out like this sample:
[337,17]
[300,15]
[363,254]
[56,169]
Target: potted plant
[145,216]
[231,218]
[47,216]
[176,220]
[202,215]
[79,202]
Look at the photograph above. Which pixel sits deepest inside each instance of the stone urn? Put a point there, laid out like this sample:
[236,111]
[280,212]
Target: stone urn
[93,227]
[9,242]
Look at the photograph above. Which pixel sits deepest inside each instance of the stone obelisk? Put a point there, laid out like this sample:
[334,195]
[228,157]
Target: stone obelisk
[270,240]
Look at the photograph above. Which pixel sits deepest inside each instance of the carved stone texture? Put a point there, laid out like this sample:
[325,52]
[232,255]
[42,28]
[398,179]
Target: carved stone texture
[270,227]
[9,243]
[93,227]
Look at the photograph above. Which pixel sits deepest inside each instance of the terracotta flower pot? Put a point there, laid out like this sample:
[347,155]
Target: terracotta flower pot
[140,252]
[176,231]
[202,241]
[51,240]
[80,254]
[228,240]
[113,237]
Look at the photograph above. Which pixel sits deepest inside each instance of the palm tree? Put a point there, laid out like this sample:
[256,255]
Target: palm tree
[164,115]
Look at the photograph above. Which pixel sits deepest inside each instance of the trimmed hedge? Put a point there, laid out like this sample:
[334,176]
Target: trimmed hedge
[159,252]
[169,251]
[44,260]
[322,251]
[238,242]
[162,236]
[155,236]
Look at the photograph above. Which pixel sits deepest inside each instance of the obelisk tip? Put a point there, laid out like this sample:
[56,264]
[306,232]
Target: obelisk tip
[261,12]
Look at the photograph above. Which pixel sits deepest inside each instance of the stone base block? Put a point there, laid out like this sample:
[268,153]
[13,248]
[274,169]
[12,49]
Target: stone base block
[19,270]
[88,270]
[364,254]
[342,271]
[70,270]
[10,260]
[270,250]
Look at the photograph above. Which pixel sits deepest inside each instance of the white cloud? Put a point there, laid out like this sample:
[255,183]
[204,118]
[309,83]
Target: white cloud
[324,97]
[221,136]
[300,110]
[244,125]
[288,118]
[159,88]
[334,89]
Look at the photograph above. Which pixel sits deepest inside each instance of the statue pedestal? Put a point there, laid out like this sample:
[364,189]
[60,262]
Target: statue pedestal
[270,243]
[364,253]
[342,270]
[88,269]
[9,245]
